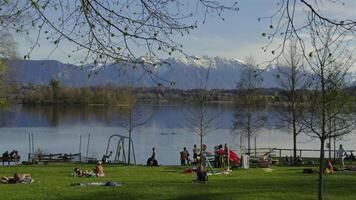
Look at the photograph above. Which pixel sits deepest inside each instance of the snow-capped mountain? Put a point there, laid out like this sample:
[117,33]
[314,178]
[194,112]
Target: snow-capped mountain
[222,73]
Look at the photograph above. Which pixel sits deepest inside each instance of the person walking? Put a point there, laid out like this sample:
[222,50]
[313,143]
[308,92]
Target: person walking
[341,154]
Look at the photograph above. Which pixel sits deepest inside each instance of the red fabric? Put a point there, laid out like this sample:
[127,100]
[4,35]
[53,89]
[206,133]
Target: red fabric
[234,159]
[221,152]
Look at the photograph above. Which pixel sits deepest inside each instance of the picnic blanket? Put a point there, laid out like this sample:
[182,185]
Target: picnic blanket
[108,184]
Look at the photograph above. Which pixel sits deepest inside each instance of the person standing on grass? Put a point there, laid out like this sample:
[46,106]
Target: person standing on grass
[153,156]
[196,152]
[183,157]
[341,155]
[187,153]
[221,156]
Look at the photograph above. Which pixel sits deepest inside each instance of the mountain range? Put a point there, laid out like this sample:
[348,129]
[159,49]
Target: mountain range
[222,73]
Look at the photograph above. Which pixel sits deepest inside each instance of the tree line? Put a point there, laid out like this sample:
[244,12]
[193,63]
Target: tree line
[54,93]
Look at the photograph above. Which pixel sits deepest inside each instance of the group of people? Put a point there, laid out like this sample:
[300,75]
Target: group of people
[184,156]
[17,178]
[12,156]
[97,171]
[221,155]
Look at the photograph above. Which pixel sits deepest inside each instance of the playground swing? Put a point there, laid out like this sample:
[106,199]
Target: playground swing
[121,156]
[208,165]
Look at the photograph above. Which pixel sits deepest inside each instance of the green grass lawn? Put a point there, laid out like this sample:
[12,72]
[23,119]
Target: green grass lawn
[53,182]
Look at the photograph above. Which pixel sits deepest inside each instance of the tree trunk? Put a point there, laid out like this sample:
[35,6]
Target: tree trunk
[334,148]
[201,149]
[248,133]
[295,149]
[248,143]
[329,148]
[294,121]
[129,152]
[321,170]
[255,145]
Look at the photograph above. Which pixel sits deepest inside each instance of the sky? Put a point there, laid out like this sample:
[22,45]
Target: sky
[238,36]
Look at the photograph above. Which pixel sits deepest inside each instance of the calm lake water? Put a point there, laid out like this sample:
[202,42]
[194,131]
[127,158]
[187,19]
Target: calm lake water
[58,129]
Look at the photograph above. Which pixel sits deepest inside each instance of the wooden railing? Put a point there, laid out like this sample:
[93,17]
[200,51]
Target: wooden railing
[281,152]
[14,159]
[59,157]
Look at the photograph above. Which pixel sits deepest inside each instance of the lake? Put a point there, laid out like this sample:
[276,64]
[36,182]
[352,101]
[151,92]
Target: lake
[57,129]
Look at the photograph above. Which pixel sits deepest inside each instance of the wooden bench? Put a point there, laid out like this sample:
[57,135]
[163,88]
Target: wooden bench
[59,157]
[14,159]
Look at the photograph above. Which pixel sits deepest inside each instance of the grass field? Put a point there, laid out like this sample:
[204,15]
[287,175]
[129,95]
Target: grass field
[139,182]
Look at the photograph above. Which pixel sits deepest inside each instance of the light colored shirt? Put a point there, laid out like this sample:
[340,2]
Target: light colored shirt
[341,152]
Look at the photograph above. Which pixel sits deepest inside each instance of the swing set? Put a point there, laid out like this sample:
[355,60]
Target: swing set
[123,153]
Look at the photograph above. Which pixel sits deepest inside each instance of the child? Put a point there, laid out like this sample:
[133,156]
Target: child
[329,168]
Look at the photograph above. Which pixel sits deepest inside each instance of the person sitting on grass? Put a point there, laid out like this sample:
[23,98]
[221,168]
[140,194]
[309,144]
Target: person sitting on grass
[202,175]
[17,178]
[99,169]
[83,173]
[329,169]
[78,172]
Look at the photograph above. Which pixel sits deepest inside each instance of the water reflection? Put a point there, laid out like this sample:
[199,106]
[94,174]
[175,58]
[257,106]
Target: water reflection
[57,129]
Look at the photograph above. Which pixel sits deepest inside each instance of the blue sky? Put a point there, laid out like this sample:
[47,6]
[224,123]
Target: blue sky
[238,36]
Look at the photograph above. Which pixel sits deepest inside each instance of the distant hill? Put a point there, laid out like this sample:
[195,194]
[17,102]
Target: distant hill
[187,74]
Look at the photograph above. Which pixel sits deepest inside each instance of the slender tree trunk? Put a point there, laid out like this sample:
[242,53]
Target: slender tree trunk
[322,138]
[294,63]
[130,134]
[294,136]
[201,148]
[248,134]
[334,148]
[329,144]
[294,149]
[255,145]
[248,143]
[129,152]
[202,159]
[321,170]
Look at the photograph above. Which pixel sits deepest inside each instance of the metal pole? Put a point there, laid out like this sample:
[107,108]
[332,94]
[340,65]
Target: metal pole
[33,144]
[80,148]
[241,143]
[255,145]
[86,155]
[133,151]
[29,146]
